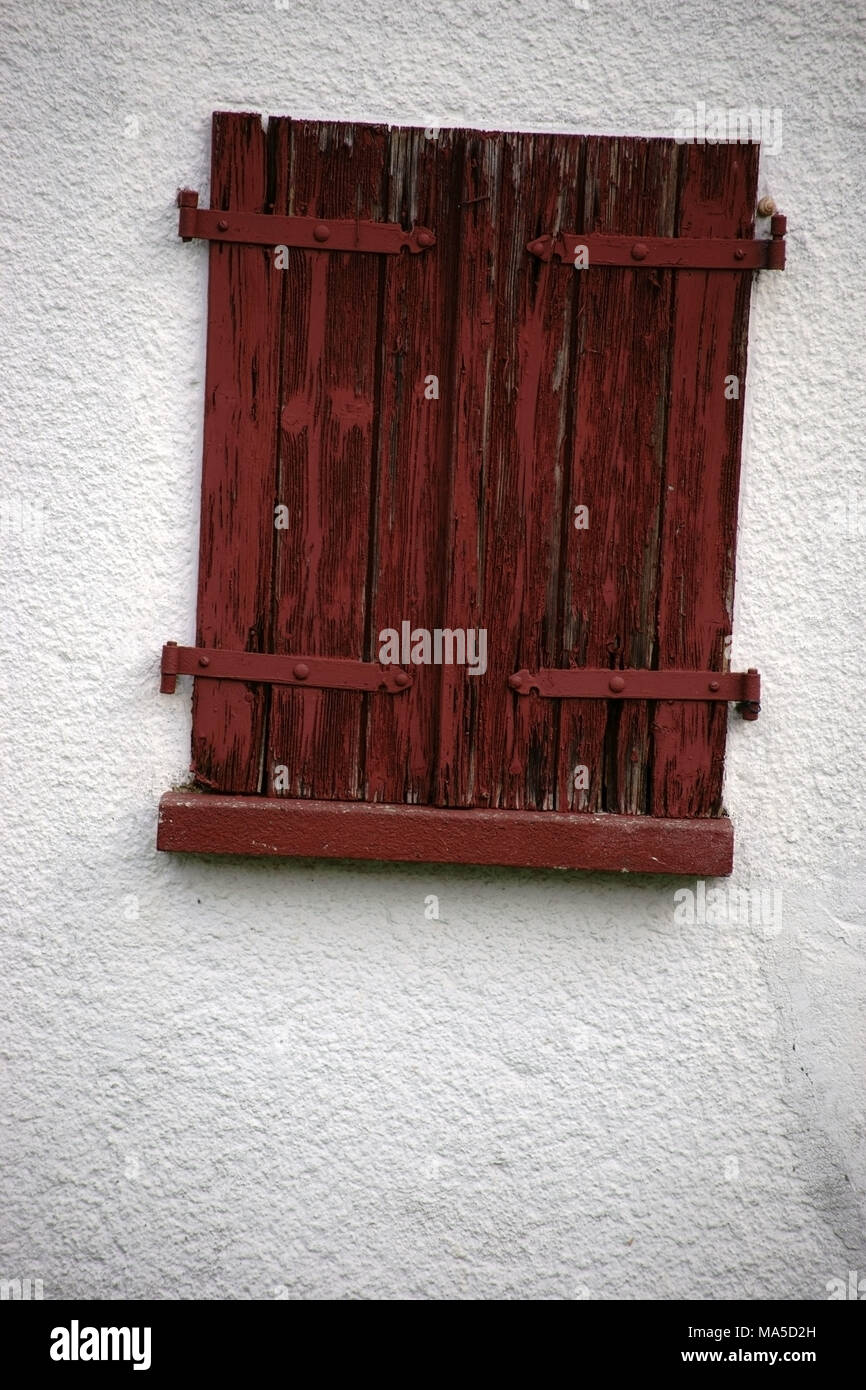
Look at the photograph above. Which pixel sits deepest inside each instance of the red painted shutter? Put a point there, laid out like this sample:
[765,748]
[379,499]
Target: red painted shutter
[600,388]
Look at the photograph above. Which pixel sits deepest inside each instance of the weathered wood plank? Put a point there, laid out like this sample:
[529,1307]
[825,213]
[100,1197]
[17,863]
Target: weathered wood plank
[611,557]
[328,426]
[476,286]
[407,578]
[426,834]
[515,749]
[710,331]
[240,423]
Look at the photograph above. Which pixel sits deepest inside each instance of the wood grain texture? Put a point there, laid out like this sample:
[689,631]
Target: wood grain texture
[412,467]
[240,423]
[617,463]
[328,431]
[513,756]
[476,290]
[699,518]
[207,824]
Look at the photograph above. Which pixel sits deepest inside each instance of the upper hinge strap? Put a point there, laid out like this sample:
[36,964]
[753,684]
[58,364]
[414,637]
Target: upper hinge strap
[583,252]
[310,233]
[603,684]
[268,668]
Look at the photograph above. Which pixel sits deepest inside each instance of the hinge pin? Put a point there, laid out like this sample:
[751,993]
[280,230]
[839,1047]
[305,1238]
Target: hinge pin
[750,709]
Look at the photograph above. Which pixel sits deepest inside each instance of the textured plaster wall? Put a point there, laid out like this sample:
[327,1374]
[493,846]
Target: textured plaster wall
[232,1079]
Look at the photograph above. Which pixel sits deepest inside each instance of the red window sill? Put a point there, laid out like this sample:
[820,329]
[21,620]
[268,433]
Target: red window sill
[207,823]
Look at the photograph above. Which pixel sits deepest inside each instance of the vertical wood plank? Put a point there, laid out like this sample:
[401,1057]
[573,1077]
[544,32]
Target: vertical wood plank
[521,524]
[406,573]
[475,290]
[611,566]
[328,428]
[240,425]
[711,309]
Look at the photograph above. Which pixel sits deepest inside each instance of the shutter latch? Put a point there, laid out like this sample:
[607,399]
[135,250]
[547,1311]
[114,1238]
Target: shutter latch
[267,668]
[744,687]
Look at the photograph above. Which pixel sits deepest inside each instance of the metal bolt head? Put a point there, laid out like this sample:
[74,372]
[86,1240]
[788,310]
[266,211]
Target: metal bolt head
[639,251]
[766,207]
[714,685]
[537,248]
[300,671]
[223,225]
[515,681]
[617,683]
[321,231]
[739,253]
[402,678]
[425,238]
[204,661]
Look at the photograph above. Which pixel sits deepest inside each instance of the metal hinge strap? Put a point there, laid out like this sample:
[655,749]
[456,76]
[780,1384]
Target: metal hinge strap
[310,233]
[744,687]
[583,251]
[267,668]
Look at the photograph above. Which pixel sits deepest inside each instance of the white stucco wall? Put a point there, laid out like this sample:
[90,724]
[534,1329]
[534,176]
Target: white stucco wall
[239,1079]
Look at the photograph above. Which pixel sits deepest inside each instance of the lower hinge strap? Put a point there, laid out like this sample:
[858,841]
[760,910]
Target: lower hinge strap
[744,687]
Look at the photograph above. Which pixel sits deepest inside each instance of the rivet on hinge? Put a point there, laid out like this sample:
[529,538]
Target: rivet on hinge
[639,251]
[321,232]
[301,671]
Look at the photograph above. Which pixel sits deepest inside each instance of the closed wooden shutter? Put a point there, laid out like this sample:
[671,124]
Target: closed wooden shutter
[473,435]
